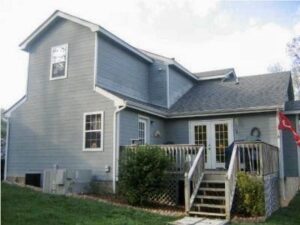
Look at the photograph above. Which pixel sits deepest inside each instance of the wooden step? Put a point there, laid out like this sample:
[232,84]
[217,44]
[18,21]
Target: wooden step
[209,206]
[213,181]
[207,214]
[212,189]
[210,197]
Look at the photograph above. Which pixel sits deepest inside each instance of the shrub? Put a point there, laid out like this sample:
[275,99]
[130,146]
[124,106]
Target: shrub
[250,195]
[142,173]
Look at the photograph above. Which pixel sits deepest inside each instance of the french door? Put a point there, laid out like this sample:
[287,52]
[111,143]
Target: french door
[216,136]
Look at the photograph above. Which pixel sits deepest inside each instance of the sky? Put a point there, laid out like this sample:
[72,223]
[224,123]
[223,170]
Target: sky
[201,35]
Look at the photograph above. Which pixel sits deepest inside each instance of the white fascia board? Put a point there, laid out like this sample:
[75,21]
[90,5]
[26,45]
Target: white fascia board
[146,109]
[15,106]
[125,44]
[212,77]
[233,112]
[291,112]
[117,101]
[181,68]
[56,14]
[93,27]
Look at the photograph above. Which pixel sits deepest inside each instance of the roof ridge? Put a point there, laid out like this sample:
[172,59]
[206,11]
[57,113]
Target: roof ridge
[266,74]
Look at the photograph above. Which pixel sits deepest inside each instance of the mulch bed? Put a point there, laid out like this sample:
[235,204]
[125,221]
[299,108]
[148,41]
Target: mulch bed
[119,201]
[255,219]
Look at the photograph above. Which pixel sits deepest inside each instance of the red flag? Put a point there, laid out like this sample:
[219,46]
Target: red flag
[286,124]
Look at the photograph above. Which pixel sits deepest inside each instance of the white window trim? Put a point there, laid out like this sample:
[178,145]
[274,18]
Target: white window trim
[147,128]
[84,132]
[51,63]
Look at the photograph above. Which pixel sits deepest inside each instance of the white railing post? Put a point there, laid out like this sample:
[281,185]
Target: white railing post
[187,192]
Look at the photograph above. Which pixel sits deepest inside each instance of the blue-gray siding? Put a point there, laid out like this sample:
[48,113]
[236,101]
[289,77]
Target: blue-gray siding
[129,127]
[179,84]
[120,71]
[178,129]
[158,84]
[290,153]
[48,128]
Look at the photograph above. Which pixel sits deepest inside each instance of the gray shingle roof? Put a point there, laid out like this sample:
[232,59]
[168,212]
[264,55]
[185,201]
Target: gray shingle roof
[269,90]
[214,73]
[292,105]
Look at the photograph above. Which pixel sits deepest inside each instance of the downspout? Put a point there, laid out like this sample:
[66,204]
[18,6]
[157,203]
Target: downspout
[116,135]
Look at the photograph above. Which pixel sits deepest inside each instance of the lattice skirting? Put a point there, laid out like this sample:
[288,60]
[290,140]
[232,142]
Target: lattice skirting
[170,195]
[271,186]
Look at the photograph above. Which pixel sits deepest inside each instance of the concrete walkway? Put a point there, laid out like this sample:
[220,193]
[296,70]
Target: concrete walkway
[198,221]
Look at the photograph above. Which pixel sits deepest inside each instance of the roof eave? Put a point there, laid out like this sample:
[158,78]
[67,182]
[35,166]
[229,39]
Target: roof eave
[92,26]
[227,112]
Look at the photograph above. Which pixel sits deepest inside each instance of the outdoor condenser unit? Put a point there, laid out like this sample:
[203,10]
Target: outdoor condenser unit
[64,181]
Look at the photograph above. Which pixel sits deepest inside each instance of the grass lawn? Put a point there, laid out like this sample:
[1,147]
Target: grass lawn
[284,216]
[24,206]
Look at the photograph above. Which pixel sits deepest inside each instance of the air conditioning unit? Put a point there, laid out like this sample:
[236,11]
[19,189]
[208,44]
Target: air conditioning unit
[64,181]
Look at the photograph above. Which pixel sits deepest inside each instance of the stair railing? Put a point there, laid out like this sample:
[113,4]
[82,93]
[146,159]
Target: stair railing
[193,179]
[230,179]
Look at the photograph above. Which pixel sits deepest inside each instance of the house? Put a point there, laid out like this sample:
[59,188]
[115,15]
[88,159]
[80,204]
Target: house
[89,92]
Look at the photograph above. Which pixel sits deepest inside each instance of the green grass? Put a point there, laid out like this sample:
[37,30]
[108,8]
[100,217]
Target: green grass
[284,216]
[24,206]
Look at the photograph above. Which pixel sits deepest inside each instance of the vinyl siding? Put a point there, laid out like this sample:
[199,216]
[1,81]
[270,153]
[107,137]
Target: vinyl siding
[48,128]
[178,129]
[158,84]
[179,84]
[290,153]
[120,71]
[129,127]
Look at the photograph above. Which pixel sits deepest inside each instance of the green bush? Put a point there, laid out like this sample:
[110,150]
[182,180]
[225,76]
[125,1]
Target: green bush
[250,195]
[142,173]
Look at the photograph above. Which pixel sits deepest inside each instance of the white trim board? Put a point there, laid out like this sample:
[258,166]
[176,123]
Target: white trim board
[101,130]
[147,128]
[117,101]
[93,27]
[15,106]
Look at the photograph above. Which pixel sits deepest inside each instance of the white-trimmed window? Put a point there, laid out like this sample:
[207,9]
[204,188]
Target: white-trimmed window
[93,131]
[59,62]
[143,130]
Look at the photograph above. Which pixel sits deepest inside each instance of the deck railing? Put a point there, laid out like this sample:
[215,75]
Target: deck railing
[257,158]
[181,155]
[193,178]
[230,179]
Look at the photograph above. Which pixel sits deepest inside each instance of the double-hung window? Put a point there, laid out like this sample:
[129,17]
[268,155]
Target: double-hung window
[93,131]
[59,62]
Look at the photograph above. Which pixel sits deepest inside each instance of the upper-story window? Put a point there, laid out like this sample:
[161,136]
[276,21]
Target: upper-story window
[59,62]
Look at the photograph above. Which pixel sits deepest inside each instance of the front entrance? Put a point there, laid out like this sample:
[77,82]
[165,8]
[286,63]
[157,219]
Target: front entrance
[215,135]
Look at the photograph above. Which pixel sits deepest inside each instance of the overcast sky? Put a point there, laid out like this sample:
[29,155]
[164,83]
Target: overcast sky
[202,35]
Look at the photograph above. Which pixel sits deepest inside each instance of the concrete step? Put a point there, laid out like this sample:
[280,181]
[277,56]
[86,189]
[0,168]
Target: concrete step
[198,221]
